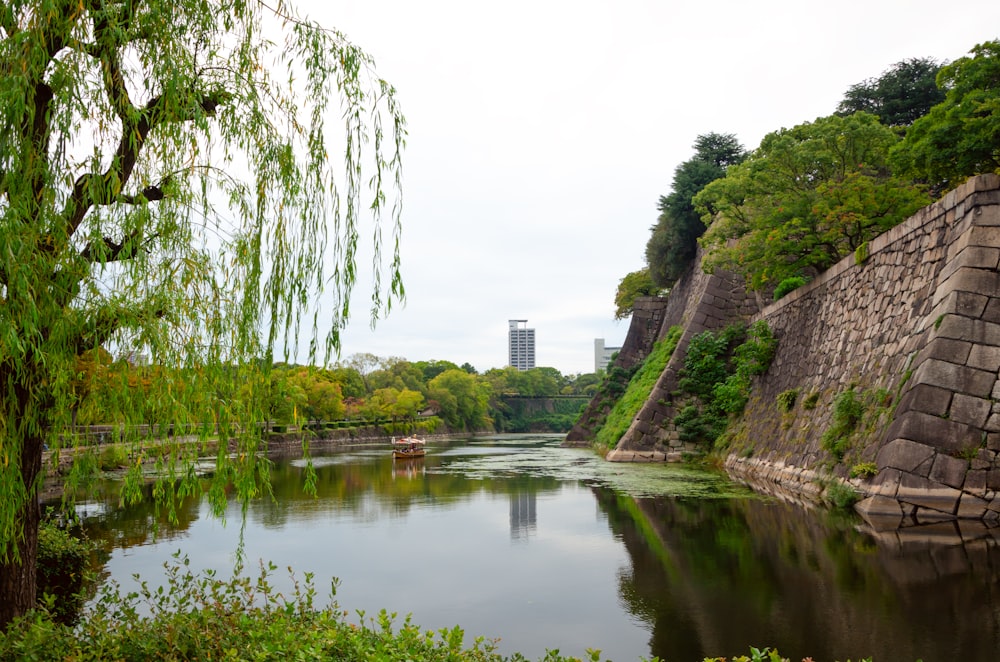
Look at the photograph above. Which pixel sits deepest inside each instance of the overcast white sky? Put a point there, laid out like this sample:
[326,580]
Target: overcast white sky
[542,134]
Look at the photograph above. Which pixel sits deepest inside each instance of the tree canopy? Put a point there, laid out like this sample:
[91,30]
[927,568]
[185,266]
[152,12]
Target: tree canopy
[959,137]
[633,285]
[167,190]
[805,198]
[905,92]
[671,247]
[462,399]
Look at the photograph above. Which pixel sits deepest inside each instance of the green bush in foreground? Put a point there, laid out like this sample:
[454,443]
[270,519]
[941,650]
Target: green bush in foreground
[765,655]
[202,617]
[62,577]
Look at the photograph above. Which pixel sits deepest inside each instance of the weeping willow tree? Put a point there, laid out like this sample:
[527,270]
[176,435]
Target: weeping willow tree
[168,190]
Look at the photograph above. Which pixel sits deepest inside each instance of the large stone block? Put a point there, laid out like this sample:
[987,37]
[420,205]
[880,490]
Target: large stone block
[985,182]
[972,507]
[903,454]
[949,470]
[967,279]
[984,357]
[886,483]
[992,312]
[975,483]
[969,329]
[925,493]
[981,257]
[926,398]
[957,378]
[992,425]
[946,349]
[971,304]
[969,409]
[988,215]
[882,513]
[942,434]
[984,235]
[964,254]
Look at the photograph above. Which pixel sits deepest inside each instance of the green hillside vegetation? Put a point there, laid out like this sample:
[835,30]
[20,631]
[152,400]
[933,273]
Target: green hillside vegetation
[638,390]
[811,194]
[805,198]
[715,382]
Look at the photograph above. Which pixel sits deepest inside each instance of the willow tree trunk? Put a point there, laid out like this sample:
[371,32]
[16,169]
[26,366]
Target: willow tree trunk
[18,579]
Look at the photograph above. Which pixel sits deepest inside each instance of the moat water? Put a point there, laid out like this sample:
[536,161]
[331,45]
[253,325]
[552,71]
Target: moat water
[542,547]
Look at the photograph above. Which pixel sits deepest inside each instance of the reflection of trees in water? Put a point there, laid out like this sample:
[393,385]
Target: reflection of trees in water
[349,487]
[372,488]
[122,527]
[712,577]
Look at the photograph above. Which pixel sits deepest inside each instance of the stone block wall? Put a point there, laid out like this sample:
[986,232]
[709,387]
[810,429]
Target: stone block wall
[910,325]
[647,321]
[698,303]
[914,330]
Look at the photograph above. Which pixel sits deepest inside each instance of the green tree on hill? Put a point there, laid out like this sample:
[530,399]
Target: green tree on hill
[167,188]
[900,96]
[959,137]
[633,285]
[462,399]
[804,199]
[674,240]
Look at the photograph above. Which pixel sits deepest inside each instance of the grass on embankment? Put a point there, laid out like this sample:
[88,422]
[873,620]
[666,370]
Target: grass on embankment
[638,390]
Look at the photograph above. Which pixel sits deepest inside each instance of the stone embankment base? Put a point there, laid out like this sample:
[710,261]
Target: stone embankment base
[617,455]
[785,481]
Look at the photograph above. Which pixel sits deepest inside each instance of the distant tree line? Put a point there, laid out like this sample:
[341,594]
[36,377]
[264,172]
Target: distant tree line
[363,387]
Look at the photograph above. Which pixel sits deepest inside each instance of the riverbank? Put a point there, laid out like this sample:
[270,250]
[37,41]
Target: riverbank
[58,463]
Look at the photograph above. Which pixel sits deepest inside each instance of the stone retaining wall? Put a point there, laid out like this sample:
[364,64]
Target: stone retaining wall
[712,301]
[647,323]
[912,329]
[911,326]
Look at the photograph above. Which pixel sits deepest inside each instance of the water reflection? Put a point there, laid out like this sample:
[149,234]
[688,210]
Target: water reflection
[713,577]
[547,547]
[523,518]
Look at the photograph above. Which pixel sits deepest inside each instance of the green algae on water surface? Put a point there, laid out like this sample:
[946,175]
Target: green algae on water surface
[541,456]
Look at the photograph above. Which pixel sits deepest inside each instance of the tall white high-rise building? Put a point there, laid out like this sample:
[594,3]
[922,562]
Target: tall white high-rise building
[521,341]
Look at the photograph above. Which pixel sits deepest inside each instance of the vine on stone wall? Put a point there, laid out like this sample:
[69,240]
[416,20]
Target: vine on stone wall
[855,413]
